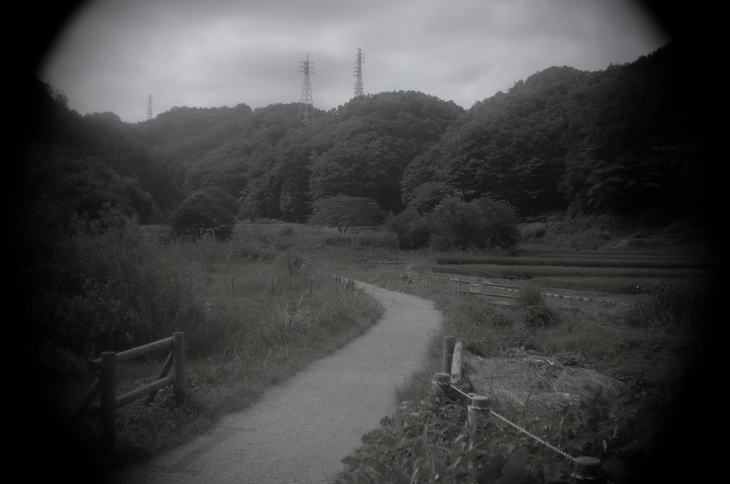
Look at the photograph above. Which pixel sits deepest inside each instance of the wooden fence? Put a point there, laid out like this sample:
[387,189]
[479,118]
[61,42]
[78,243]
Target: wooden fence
[105,384]
[586,469]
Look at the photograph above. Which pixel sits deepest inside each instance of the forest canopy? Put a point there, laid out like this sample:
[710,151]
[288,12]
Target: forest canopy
[624,141]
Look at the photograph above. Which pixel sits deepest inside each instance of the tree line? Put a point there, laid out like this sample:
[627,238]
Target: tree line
[623,140]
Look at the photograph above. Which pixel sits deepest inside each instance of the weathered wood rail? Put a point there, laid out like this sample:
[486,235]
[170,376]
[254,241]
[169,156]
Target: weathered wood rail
[105,384]
[586,469]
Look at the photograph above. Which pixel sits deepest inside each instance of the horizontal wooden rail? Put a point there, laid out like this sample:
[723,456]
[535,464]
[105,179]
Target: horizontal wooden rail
[136,352]
[143,390]
[105,385]
[479,409]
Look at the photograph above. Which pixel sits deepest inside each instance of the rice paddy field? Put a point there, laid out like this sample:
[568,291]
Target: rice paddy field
[637,316]
[621,272]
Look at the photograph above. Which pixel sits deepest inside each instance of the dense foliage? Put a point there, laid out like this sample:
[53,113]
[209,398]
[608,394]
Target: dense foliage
[205,212]
[482,223]
[344,211]
[624,141]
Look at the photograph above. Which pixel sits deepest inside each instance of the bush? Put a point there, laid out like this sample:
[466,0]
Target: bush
[411,229]
[670,306]
[206,212]
[483,224]
[114,290]
[539,316]
[530,296]
[344,211]
[427,196]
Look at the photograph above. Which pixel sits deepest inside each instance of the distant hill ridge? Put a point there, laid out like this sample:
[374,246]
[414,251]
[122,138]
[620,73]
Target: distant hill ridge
[624,140]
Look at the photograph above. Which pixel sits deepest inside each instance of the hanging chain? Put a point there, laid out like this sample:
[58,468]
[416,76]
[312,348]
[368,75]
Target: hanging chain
[538,439]
[517,427]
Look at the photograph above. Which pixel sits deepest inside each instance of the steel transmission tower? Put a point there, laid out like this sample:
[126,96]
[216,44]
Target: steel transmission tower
[149,107]
[306,105]
[359,61]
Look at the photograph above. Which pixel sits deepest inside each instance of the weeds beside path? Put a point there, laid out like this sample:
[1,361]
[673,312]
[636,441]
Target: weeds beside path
[299,431]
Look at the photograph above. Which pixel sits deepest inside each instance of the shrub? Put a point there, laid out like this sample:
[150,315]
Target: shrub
[539,316]
[344,211]
[204,212]
[499,223]
[291,262]
[483,223]
[536,313]
[530,296]
[114,290]
[427,196]
[672,305]
[411,229]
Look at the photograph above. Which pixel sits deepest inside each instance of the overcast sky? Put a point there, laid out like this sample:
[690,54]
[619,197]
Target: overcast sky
[114,53]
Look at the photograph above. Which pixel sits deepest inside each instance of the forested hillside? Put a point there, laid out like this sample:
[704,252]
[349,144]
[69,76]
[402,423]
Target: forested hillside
[625,140]
[276,165]
[84,165]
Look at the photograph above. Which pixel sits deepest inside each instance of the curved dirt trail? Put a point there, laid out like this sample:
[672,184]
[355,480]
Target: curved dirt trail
[299,431]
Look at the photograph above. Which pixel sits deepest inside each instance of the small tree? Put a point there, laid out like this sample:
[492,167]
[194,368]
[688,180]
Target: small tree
[411,228]
[344,211]
[499,221]
[483,224]
[204,212]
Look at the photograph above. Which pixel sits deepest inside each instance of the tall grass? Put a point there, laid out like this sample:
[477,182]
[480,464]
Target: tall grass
[424,440]
[254,312]
[672,306]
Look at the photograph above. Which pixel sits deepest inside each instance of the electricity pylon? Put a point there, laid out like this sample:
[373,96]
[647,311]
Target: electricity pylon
[149,107]
[306,105]
[359,61]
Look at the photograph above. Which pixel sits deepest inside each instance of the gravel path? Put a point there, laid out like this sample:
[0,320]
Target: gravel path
[299,431]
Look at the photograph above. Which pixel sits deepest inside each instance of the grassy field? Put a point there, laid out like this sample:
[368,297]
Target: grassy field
[647,346]
[269,308]
[265,311]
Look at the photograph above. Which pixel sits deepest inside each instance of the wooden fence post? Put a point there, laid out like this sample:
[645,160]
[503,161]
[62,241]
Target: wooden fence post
[440,388]
[477,413]
[456,362]
[108,397]
[178,348]
[448,354]
[587,469]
